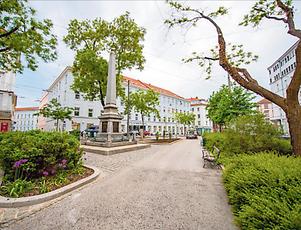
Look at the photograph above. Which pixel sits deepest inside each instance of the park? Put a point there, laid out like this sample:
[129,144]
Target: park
[102,150]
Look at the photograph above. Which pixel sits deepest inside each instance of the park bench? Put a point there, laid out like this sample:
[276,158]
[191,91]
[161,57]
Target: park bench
[208,159]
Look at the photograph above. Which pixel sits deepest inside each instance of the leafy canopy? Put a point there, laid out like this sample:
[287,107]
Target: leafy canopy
[185,118]
[92,39]
[56,111]
[23,37]
[145,102]
[227,104]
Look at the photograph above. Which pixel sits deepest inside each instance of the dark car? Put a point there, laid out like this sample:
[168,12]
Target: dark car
[191,135]
[92,131]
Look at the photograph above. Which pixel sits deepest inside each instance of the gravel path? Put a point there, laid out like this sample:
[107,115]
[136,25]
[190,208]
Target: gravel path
[163,187]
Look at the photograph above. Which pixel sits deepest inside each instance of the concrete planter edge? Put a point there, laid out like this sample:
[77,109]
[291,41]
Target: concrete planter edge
[8,202]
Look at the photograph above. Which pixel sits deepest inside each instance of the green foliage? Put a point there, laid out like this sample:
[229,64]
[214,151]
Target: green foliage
[265,9]
[249,134]
[185,118]
[24,37]
[75,133]
[187,16]
[264,190]
[236,55]
[227,104]
[43,153]
[16,188]
[90,74]
[145,103]
[56,111]
[91,40]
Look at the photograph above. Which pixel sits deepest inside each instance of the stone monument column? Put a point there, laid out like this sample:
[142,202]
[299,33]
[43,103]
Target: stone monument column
[110,119]
[111,83]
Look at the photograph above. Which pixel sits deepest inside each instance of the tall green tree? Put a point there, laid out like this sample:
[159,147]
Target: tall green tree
[232,57]
[185,119]
[229,103]
[55,111]
[91,40]
[24,37]
[145,103]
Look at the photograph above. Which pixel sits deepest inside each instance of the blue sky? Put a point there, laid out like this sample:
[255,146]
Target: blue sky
[164,48]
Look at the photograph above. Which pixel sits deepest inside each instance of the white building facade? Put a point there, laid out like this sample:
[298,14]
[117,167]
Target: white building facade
[280,74]
[25,119]
[202,122]
[86,112]
[7,100]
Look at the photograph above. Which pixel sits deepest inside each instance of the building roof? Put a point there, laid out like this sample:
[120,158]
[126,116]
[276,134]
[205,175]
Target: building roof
[134,82]
[27,109]
[143,85]
[198,104]
[264,101]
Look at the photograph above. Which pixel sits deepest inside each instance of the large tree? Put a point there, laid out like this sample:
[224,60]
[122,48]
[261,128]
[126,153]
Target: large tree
[145,103]
[24,37]
[55,111]
[92,40]
[229,103]
[231,57]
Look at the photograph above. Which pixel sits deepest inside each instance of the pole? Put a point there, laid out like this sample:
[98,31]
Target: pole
[128,115]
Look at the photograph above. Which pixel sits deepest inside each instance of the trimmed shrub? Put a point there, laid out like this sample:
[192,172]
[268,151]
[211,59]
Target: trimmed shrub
[34,154]
[249,134]
[264,190]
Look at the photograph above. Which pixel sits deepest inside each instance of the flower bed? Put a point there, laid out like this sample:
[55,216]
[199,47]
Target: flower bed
[38,162]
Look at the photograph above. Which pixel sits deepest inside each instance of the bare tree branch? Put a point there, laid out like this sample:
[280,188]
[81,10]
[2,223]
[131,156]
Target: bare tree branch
[290,19]
[211,59]
[270,17]
[9,32]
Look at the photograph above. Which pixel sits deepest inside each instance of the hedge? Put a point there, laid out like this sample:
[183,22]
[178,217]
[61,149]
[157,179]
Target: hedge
[264,190]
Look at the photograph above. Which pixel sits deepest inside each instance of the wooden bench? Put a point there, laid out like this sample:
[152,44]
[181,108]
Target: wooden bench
[208,159]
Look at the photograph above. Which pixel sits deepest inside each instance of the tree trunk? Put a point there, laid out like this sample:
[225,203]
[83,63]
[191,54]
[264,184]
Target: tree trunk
[101,95]
[293,117]
[142,117]
[57,124]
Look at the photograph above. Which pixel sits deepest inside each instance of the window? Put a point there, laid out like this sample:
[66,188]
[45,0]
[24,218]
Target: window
[199,116]
[77,95]
[192,109]
[90,113]
[136,117]
[154,118]
[76,111]
[198,109]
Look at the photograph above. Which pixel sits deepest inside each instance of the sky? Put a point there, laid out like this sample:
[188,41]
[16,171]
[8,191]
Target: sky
[164,48]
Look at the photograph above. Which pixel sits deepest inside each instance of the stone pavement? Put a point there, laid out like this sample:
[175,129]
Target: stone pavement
[163,187]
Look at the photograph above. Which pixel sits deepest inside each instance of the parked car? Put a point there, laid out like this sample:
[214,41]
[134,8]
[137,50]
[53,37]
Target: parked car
[146,133]
[191,135]
[92,131]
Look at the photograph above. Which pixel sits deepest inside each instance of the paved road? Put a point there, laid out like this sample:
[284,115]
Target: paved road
[167,189]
